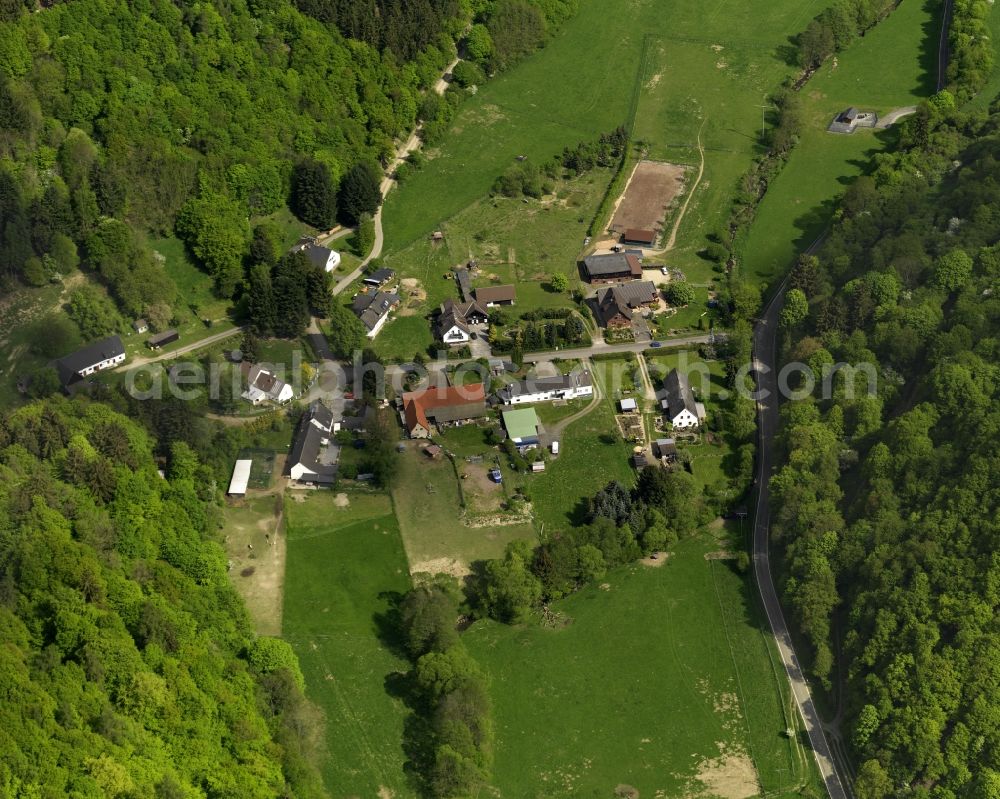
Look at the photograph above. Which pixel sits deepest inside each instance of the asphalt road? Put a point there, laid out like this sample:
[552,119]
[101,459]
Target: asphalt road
[943,49]
[765,360]
[601,347]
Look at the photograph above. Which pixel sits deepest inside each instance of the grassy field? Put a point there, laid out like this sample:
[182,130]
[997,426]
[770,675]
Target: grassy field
[800,203]
[526,112]
[591,454]
[514,241]
[345,562]
[257,553]
[428,498]
[712,86]
[691,699]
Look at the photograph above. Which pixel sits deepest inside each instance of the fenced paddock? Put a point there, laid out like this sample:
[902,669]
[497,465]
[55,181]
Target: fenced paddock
[262,470]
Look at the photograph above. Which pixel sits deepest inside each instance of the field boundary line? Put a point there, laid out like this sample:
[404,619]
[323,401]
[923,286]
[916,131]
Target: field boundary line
[671,243]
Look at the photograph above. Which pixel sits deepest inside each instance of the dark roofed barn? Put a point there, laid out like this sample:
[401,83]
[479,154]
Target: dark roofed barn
[379,277]
[643,238]
[496,295]
[162,339]
[611,268]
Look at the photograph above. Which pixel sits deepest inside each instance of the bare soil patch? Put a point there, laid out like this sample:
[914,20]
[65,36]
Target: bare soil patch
[651,190]
[416,296]
[256,552]
[449,566]
[485,495]
[729,776]
[341,500]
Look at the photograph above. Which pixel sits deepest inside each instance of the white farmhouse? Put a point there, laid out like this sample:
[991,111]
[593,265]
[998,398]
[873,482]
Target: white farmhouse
[546,389]
[373,309]
[312,460]
[104,354]
[263,385]
[321,257]
[679,404]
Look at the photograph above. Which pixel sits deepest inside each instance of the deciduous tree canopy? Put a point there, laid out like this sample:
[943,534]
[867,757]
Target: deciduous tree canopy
[888,505]
[128,663]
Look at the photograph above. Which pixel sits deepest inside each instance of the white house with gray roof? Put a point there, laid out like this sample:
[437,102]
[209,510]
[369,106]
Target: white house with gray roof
[547,389]
[679,403]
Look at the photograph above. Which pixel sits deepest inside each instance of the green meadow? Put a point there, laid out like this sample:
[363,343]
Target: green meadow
[891,67]
[662,679]
[590,78]
[518,241]
[345,563]
[591,455]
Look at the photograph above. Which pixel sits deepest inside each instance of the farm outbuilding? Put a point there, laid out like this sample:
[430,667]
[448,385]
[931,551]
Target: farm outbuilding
[241,478]
[162,339]
[639,237]
[522,426]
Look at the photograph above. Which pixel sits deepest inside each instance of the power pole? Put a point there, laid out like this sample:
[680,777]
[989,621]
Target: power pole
[763,111]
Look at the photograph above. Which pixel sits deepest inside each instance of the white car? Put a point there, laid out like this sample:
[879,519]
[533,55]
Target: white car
[664,270]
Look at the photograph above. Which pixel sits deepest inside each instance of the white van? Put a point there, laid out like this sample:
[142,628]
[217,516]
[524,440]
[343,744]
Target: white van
[555,447]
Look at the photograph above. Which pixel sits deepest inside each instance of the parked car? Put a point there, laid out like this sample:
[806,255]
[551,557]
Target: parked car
[656,344]
[496,476]
[664,270]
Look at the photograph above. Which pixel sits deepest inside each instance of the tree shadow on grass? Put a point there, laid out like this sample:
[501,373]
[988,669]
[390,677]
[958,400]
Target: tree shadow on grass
[788,53]
[417,739]
[388,625]
[580,514]
[931,30]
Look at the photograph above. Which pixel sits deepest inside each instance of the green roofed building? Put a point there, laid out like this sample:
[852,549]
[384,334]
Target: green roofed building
[522,426]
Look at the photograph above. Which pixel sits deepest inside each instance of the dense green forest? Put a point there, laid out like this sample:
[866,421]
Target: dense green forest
[888,505]
[120,121]
[128,663]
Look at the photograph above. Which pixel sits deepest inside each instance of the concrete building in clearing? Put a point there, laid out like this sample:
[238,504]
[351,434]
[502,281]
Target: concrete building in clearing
[241,478]
[851,119]
[373,309]
[522,426]
[617,305]
[546,389]
[264,386]
[442,405]
[492,296]
[310,460]
[679,403]
[611,268]
[96,357]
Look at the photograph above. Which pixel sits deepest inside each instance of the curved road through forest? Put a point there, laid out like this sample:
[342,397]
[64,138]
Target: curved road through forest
[765,363]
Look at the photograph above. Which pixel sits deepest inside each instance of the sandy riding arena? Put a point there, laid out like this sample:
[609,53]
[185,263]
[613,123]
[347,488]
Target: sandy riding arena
[649,194]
